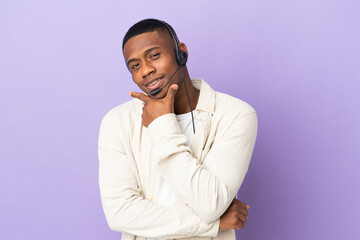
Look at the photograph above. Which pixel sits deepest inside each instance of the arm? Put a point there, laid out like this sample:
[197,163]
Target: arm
[124,207]
[215,181]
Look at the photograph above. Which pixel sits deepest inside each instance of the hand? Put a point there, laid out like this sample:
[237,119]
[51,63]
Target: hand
[235,216]
[155,108]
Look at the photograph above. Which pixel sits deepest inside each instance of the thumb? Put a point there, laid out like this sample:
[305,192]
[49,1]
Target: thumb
[172,92]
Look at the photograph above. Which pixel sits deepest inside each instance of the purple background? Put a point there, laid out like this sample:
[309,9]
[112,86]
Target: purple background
[296,62]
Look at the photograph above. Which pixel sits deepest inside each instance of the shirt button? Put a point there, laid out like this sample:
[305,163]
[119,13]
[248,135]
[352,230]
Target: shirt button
[151,198]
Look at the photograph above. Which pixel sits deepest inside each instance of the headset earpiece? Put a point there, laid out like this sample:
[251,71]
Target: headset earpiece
[181,58]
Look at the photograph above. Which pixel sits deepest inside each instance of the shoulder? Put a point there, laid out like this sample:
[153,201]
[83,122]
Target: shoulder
[219,103]
[123,115]
[233,117]
[128,109]
[231,106]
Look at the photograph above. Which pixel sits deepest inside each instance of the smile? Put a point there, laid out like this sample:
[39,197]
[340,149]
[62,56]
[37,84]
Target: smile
[155,84]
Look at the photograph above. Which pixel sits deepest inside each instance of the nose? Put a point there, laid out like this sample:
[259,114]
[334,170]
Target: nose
[147,69]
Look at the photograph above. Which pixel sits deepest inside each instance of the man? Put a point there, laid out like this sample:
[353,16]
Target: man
[173,159]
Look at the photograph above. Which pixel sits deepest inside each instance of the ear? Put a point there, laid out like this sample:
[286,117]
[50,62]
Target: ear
[183,47]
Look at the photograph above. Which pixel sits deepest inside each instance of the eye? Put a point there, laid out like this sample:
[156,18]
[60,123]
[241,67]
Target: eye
[134,66]
[154,56]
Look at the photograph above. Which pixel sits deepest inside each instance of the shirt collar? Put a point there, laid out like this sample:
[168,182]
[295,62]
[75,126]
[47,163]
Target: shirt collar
[206,101]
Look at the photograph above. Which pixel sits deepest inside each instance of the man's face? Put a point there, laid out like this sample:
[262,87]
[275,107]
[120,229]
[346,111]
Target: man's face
[151,60]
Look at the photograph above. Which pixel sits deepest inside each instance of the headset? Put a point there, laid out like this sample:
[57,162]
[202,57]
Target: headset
[181,59]
[180,56]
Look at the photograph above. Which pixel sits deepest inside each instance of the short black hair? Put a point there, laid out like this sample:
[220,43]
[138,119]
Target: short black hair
[144,26]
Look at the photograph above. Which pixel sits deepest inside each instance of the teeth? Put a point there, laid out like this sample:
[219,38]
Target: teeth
[153,83]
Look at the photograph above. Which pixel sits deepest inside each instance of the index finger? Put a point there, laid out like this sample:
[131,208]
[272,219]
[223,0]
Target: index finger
[139,96]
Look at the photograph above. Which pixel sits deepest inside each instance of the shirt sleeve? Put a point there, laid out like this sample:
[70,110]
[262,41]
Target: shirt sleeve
[210,187]
[124,206]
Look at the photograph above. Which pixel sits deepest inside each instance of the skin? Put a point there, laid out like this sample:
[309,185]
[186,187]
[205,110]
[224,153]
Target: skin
[235,216]
[150,56]
[146,64]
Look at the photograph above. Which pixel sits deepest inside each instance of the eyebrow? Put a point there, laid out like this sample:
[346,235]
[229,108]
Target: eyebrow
[146,52]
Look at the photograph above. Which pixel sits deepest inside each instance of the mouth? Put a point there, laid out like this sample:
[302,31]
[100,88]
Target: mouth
[155,83]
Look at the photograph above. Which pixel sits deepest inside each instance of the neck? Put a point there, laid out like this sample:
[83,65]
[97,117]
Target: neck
[181,104]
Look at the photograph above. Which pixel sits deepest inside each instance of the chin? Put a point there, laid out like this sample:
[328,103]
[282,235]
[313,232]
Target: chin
[160,95]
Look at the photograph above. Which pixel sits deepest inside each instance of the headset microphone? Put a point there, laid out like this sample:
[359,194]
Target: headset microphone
[156,91]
